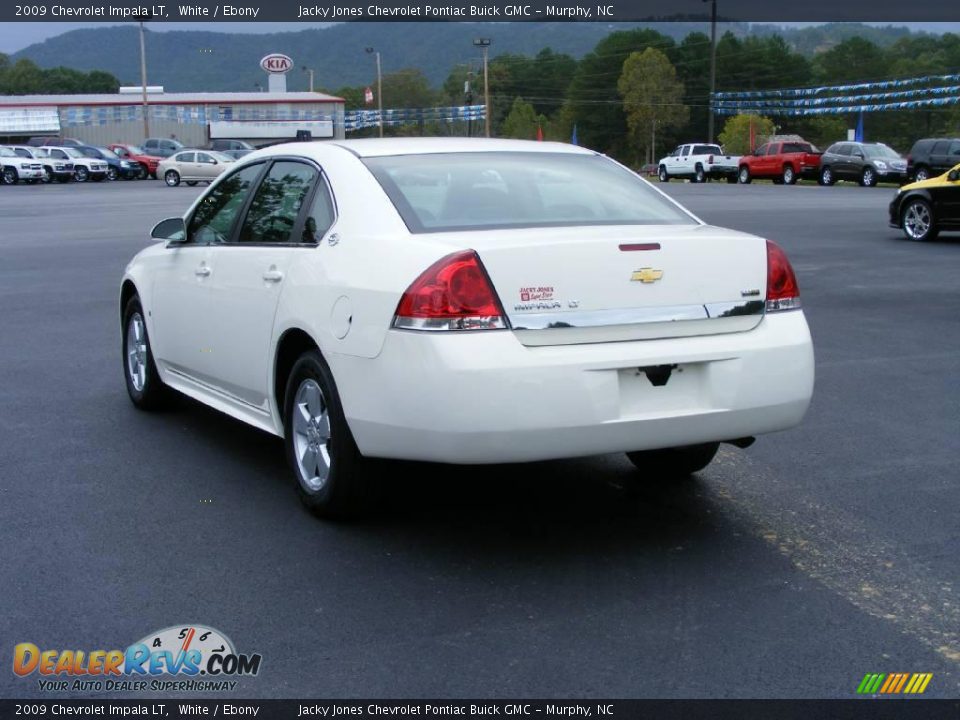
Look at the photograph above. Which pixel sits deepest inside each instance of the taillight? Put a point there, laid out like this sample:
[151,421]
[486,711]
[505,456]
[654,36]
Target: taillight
[710,160]
[452,294]
[783,293]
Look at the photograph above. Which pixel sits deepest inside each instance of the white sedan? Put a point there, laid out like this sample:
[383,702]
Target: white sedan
[193,166]
[463,301]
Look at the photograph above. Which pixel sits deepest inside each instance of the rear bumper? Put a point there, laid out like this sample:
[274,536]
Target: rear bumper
[485,398]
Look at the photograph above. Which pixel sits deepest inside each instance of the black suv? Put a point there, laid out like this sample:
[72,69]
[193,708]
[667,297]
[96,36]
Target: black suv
[866,163]
[932,157]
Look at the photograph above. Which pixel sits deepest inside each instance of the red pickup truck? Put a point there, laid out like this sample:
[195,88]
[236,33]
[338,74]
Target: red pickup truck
[133,152]
[782,161]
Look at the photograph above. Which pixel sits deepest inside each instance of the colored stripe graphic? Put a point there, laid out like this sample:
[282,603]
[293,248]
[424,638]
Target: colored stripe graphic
[871,683]
[894,683]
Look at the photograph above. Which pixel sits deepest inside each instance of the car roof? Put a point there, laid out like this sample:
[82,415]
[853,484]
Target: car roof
[382,147]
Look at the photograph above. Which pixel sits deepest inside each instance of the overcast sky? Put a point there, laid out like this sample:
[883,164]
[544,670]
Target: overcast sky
[18,35]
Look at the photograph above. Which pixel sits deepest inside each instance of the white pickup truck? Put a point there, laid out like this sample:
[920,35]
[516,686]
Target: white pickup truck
[699,162]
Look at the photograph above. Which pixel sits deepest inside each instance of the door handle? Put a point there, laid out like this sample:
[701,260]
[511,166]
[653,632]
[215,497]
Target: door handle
[202,271]
[273,275]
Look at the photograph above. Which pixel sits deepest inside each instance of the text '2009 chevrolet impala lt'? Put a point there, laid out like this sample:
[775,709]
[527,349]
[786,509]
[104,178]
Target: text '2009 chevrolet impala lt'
[463,301]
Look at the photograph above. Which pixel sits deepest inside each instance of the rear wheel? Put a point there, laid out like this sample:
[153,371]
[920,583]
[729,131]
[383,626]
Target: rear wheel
[789,176]
[918,220]
[144,385]
[320,447]
[744,175]
[172,178]
[699,175]
[10,176]
[869,177]
[664,175]
[675,462]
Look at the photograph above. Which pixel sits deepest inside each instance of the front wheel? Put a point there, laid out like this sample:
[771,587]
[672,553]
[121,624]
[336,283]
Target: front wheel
[144,386]
[675,462]
[10,176]
[81,174]
[47,176]
[320,447]
[112,173]
[744,175]
[918,221]
[923,173]
[664,175]
[172,178]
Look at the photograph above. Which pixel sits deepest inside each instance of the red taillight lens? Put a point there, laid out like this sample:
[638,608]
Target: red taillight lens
[452,294]
[710,160]
[783,293]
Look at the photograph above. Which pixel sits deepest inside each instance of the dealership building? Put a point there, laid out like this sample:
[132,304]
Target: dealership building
[192,118]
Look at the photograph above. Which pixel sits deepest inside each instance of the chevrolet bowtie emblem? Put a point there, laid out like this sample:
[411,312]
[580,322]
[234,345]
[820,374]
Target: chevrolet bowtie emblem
[646,275]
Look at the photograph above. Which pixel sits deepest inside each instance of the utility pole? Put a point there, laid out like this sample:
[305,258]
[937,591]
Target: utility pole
[309,71]
[713,65]
[484,44]
[379,87]
[468,92]
[143,82]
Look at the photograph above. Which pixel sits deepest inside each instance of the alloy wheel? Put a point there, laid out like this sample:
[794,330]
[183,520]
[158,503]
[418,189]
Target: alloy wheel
[312,436]
[917,220]
[137,352]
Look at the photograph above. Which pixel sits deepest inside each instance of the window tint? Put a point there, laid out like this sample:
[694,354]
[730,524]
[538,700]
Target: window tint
[319,218]
[23,153]
[276,205]
[184,157]
[762,150]
[214,217]
[940,147]
[842,149]
[955,148]
[481,190]
[204,158]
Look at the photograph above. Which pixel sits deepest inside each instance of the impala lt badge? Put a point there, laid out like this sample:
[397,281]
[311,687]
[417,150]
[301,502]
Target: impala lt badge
[646,275]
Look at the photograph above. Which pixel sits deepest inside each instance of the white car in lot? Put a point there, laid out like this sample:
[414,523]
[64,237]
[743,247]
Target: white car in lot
[463,301]
[84,168]
[699,162]
[14,168]
[193,166]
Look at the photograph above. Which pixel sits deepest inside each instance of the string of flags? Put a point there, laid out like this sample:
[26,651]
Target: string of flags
[359,119]
[859,97]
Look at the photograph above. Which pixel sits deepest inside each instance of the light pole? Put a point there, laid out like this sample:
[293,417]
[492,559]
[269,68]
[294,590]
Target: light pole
[309,71]
[370,50]
[713,65]
[143,82]
[484,44]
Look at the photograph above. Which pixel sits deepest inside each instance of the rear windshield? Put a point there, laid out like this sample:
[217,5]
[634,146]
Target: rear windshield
[490,190]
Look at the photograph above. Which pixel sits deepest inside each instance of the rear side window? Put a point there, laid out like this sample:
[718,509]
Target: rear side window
[276,205]
[955,147]
[941,147]
[185,157]
[213,220]
[491,190]
[761,151]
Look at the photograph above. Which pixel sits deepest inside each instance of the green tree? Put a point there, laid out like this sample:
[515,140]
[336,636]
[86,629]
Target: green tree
[735,136]
[522,121]
[652,98]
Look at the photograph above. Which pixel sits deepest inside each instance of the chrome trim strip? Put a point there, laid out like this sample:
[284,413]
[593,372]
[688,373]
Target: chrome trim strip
[636,316]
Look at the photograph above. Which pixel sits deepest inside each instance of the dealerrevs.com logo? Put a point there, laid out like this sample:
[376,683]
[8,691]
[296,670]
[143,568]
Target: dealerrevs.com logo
[178,658]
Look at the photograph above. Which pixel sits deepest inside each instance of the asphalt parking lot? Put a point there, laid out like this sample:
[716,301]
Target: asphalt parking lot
[790,569]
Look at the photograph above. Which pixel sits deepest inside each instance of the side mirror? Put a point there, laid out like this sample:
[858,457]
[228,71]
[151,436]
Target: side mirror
[214,162]
[953,175]
[172,230]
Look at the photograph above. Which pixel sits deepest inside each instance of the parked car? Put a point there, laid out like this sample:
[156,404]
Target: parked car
[54,168]
[463,301]
[134,153]
[783,161]
[234,148]
[14,168]
[161,147]
[932,157]
[84,168]
[117,167]
[923,208]
[866,163]
[193,166]
[53,141]
[698,161]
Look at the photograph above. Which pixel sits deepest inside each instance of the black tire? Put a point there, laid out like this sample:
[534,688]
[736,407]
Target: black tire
[344,490]
[112,173]
[191,183]
[64,178]
[81,174]
[699,176]
[678,462]
[152,394]
[171,178]
[10,176]
[743,176]
[912,220]
[827,177]
[664,175]
[153,175]
[47,175]
[922,173]
[143,174]
[869,177]
[789,176]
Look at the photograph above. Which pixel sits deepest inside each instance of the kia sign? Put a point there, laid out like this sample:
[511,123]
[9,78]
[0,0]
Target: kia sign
[276,63]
